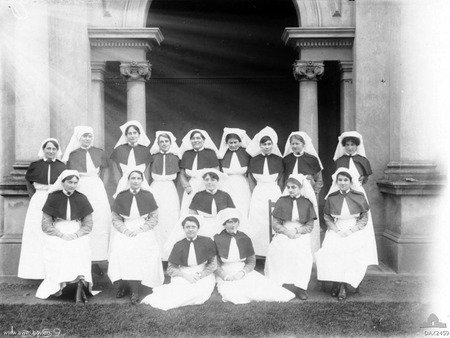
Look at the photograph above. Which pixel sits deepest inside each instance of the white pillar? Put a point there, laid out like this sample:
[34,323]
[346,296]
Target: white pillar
[348,117]
[308,73]
[98,102]
[136,74]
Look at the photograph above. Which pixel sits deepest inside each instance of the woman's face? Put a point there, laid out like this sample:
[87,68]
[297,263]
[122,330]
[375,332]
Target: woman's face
[132,135]
[210,183]
[231,225]
[343,182]
[297,146]
[293,189]
[164,144]
[197,141]
[135,180]
[50,151]
[266,147]
[86,140]
[350,147]
[70,185]
[233,144]
[190,229]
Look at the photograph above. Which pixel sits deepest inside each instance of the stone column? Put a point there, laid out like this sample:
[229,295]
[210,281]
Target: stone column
[98,102]
[136,73]
[308,73]
[348,118]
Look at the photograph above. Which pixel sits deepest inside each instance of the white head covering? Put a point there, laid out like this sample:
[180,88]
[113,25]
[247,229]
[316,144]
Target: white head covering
[355,184]
[245,140]
[340,149]
[41,150]
[222,177]
[228,213]
[306,189]
[187,145]
[74,142]
[143,139]
[308,148]
[254,149]
[174,149]
[58,183]
[124,183]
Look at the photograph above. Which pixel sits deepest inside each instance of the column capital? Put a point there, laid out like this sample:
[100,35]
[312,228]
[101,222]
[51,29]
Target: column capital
[346,69]
[98,70]
[308,70]
[136,71]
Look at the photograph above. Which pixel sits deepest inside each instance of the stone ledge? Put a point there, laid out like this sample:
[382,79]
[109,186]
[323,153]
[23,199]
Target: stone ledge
[125,37]
[318,37]
[413,187]
[399,239]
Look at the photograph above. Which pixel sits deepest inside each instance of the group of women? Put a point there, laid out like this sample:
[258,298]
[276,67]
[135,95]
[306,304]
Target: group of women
[70,223]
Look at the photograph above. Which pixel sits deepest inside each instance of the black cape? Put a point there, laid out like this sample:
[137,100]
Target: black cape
[274,162]
[77,159]
[242,155]
[361,163]
[202,201]
[172,164]
[38,171]
[141,154]
[56,205]
[284,205]
[206,159]
[144,199]
[244,244]
[307,164]
[204,250]
[356,202]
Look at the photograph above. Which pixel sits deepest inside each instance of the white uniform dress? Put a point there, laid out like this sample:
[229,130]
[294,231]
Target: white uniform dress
[135,258]
[252,287]
[180,292]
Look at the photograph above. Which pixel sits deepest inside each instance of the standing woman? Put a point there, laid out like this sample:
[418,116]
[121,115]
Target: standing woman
[134,258]
[266,170]
[40,175]
[164,171]
[197,152]
[350,153]
[300,157]
[234,162]
[349,245]
[66,222]
[91,163]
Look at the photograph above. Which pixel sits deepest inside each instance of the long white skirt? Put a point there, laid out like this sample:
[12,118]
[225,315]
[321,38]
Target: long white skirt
[180,292]
[93,188]
[252,287]
[238,188]
[344,259]
[31,263]
[65,261]
[258,229]
[196,185]
[289,261]
[166,197]
[136,258]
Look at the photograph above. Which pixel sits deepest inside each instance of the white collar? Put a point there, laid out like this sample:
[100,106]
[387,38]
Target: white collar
[344,192]
[66,193]
[197,150]
[49,159]
[351,155]
[299,154]
[137,190]
[132,145]
[193,239]
[85,148]
[211,192]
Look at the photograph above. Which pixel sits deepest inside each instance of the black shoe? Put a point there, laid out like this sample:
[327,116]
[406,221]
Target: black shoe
[96,269]
[120,289]
[301,294]
[342,292]
[79,292]
[290,287]
[134,298]
[335,289]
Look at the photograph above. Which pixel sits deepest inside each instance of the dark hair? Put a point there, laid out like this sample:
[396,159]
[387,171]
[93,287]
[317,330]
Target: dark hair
[264,139]
[70,177]
[355,140]
[297,137]
[211,174]
[136,171]
[52,142]
[165,135]
[293,180]
[344,173]
[190,219]
[132,126]
[195,132]
[231,136]
[234,219]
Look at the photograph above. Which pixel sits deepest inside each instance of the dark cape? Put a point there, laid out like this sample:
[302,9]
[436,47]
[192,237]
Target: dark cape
[242,156]
[141,154]
[284,205]
[56,205]
[172,164]
[207,158]
[274,162]
[144,199]
[307,164]
[361,163]
[202,201]
[204,250]
[243,242]
[77,159]
[38,171]
[356,202]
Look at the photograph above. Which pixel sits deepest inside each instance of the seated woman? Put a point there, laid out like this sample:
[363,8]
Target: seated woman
[134,258]
[237,281]
[40,176]
[210,201]
[349,244]
[289,258]
[66,222]
[191,266]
